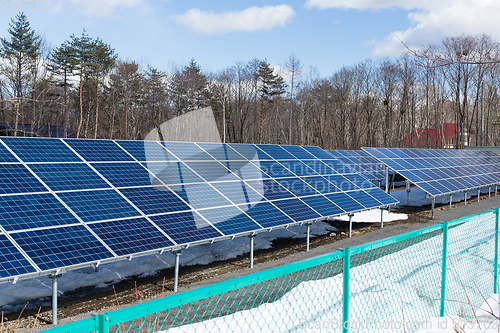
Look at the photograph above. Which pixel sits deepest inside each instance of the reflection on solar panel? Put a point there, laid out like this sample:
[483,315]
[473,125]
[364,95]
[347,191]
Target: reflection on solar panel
[438,171]
[69,203]
[360,162]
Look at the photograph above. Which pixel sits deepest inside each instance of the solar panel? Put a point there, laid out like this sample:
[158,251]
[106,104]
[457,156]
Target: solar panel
[76,202]
[361,162]
[439,172]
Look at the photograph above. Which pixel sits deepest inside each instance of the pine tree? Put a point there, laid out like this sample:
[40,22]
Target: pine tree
[21,53]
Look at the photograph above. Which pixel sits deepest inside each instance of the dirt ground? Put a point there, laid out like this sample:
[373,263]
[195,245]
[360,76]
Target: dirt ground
[80,303]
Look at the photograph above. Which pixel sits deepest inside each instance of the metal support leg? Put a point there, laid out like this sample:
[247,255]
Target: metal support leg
[489,191]
[381,217]
[176,274]
[496,188]
[407,192]
[433,203]
[465,198]
[478,194]
[251,250]
[451,199]
[350,224]
[308,235]
[54,278]
[387,180]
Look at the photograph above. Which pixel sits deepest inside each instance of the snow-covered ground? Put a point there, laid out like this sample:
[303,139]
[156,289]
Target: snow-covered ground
[417,197]
[395,293]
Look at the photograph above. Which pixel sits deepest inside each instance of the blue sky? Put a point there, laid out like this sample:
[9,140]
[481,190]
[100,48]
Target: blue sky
[326,34]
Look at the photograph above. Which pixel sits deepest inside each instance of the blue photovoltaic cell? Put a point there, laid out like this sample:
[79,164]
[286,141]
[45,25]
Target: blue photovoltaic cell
[266,214]
[381,196]
[273,169]
[296,209]
[360,181]
[321,184]
[130,236]
[12,262]
[250,152]
[299,152]
[320,168]
[229,220]
[187,151]
[98,205]
[147,151]
[41,150]
[318,152]
[297,186]
[61,247]
[246,170]
[364,199]
[298,168]
[211,171]
[185,227]
[200,195]
[98,150]
[345,202]
[33,211]
[6,156]
[322,205]
[154,200]
[126,174]
[362,162]
[173,173]
[269,189]
[341,182]
[68,176]
[238,192]
[276,152]
[15,178]
[221,152]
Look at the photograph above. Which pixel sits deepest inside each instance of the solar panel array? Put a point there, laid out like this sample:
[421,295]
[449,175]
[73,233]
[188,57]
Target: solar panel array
[440,171]
[361,162]
[68,203]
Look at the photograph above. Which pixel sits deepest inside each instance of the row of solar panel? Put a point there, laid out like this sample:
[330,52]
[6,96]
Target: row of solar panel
[61,214]
[31,150]
[440,172]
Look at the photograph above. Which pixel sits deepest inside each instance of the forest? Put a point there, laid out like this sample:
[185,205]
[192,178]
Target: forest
[83,87]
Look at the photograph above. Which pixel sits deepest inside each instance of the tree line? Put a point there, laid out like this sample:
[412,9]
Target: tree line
[83,87]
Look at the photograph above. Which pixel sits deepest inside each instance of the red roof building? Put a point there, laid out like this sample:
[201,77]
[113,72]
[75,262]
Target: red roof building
[444,135]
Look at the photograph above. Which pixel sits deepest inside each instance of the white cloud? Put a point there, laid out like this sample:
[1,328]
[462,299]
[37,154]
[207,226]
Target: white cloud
[248,20]
[106,7]
[431,20]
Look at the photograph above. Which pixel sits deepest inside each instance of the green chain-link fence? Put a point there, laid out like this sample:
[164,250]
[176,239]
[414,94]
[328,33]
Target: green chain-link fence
[395,284]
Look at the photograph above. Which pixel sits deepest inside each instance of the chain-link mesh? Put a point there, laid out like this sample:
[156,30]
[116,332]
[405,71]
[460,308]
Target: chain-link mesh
[393,286]
[288,301]
[469,265]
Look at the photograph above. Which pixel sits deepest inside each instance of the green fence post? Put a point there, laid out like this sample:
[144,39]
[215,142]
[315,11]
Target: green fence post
[345,295]
[102,323]
[495,264]
[443,268]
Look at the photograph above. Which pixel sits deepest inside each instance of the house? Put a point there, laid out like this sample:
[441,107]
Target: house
[442,137]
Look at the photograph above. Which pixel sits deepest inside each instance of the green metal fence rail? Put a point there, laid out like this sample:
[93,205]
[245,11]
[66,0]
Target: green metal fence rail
[394,284]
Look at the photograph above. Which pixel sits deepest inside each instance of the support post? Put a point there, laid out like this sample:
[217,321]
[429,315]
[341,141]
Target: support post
[176,274]
[350,224]
[496,189]
[251,250]
[489,191]
[478,194]
[407,192]
[465,198]
[387,180]
[495,264]
[308,225]
[381,217]
[433,204]
[443,268]
[345,293]
[451,199]
[54,278]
